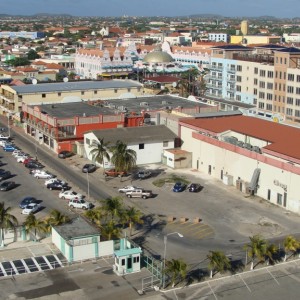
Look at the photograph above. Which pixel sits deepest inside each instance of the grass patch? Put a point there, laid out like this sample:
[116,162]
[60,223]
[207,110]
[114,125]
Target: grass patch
[172,178]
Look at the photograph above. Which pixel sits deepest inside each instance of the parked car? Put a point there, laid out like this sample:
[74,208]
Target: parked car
[29,159]
[128,188]
[139,193]
[4,174]
[43,175]
[34,165]
[194,187]
[20,159]
[143,174]
[26,201]
[65,154]
[51,180]
[68,195]
[114,173]
[7,185]
[79,203]
[31,208]
[17,152]
[179,187]
[9,148]
[4,137]
[56,185]
[89,168]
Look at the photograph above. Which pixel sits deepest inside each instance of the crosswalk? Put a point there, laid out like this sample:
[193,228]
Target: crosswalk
[30,265]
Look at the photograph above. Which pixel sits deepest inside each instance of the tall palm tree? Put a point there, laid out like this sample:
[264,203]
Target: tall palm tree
[113,207]
[256,249]
[55,218]
[7,221]
[110,230]
[95,215]
[218,262]
[177,269]
[290,245]
[270,251]
[36,225]
[133,216]
[124,159]
[99,151]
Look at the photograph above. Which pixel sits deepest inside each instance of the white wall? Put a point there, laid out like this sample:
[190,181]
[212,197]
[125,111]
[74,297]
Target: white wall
[106,248]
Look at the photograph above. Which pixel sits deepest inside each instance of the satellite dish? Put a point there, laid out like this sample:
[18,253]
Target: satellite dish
[174,84]
[34,81]
[66,79]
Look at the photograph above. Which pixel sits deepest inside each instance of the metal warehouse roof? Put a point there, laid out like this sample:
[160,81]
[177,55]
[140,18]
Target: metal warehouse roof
[136,135]
[74,86]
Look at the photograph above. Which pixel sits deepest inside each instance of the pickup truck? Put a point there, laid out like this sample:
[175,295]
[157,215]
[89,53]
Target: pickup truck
[139,193]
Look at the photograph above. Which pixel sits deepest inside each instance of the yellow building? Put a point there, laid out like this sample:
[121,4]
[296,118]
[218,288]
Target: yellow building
[244,27]
[255,39]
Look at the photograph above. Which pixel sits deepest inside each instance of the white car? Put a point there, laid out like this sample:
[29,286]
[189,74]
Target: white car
[80,203]
[51,180]
[4,137]
[31,208]
[70,195]
[128,188]
[17,152]
[21,159]
[43,175]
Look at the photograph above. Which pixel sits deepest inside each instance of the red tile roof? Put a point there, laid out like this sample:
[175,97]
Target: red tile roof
[283,139]
[164,79]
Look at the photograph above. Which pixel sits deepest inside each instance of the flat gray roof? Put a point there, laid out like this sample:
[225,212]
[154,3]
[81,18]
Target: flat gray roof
[75,86]
[75,229]
[116,106]
[136,135]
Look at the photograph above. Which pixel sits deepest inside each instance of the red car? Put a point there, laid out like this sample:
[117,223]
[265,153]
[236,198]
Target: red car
[114,173]
[27,160]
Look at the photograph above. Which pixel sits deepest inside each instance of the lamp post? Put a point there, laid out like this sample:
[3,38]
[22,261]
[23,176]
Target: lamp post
[8,124]
[88,185]
[165,254]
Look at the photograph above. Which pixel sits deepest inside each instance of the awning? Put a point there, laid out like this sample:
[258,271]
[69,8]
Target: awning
[254,181]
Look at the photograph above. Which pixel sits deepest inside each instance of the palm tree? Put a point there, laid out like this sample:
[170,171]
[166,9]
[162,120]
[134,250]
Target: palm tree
[36,225]
[218,262]
[110,230]
[270,251]
[256,249]
[95,215]
[7,221]
[177,268]
[124,159]
[133,216]
[113,206]
[55,218]
[100,151]
[290,245]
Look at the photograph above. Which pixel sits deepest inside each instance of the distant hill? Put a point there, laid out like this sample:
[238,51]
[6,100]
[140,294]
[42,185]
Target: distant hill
[206,16]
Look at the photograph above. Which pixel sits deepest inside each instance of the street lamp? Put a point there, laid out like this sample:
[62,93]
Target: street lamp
[165,254]
[8,124]
[88,184]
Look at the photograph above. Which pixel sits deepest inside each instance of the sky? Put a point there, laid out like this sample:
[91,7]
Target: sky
[228,8]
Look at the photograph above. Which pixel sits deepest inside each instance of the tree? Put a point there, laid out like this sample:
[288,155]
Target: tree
[256,249]
[133,216]
[290,245]
[270,251]
[99,151]
[95,215]
[7,221]
[113,207]
[177,269]
[218,262]
[36,225]
[55,218]
[110,230]
[124,159]
[32,55]
[18,61]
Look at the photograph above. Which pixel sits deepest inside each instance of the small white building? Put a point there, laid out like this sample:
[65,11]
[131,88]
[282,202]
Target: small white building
[148,142]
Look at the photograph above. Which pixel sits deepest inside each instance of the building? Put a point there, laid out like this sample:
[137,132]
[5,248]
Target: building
[12,97]
[258,157]
[148,142]
[22,34]
[244,27]
[218,37]
[266,76]
[255,39]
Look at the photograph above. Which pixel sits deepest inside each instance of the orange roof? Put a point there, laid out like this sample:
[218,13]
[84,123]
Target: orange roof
[54,66]
[39,63]
[27,69]
[283,139]
[98,52]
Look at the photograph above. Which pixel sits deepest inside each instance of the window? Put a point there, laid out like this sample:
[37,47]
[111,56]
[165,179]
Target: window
[269,107]
[255,81]
[255,91]
[128,90]
[95,92]
[82,92]
[261,95]
[289,111]
[238,98]
[290,89]
[239,68]
[238,88]
[43,95]
[297,102]
[116,91]
[297,113]
[269,85]
[269,195]
[262,84]
[269,96]
[262,73]
[165,143]
[58,94]
[87,141]
[290,100]
[279,199]
[291,77]
[239,78]
[297,90]
[141,146]
[298,78]
[123,262]
[270,74]
[136,259]
[280,75]
[261,105]
[255,70]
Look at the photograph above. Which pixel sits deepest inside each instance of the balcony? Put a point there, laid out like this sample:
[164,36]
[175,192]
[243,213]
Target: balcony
[231,70]
[230,89]
[7,99]
[219,78]
[231,79]
[214,87]
[216,68]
